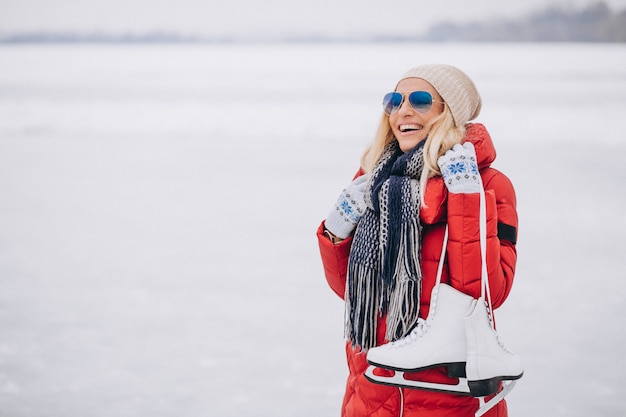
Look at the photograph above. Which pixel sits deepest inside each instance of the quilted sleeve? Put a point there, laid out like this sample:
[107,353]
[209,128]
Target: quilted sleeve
[334,260]
[464,258]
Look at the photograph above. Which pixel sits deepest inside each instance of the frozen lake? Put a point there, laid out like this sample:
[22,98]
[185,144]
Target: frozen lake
[159,205]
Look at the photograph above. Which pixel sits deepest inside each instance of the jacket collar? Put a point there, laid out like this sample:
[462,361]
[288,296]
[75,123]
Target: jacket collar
[485,150]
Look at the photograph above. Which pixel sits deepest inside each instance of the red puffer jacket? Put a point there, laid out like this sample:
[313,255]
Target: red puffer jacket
[462,271]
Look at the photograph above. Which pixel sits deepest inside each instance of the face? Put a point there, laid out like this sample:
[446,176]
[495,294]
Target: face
[407,125]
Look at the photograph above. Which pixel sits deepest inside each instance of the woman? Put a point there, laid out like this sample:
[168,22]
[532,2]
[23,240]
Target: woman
[381,244]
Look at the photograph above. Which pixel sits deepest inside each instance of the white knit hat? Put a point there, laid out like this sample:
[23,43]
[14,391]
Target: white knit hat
[454,86]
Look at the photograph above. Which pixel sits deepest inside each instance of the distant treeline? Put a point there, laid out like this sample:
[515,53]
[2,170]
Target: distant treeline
[98,37]
[596,23]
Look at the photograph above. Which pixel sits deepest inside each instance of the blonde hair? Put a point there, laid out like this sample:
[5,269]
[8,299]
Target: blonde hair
[443,134]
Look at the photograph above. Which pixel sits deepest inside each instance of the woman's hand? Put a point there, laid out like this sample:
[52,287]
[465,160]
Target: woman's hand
[349,208]
[460,170]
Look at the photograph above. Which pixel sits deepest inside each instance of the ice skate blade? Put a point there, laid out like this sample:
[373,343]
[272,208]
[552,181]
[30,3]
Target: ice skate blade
[507,387]
[455,369]
[461,388]
[486,387]
[398,380]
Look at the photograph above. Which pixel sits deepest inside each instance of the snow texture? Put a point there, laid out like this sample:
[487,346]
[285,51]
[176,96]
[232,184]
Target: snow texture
[159,204]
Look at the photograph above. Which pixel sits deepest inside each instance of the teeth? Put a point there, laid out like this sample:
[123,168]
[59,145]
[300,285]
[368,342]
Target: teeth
[404,128]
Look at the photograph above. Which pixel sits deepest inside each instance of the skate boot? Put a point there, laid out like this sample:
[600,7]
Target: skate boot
[437,341]
[488,361]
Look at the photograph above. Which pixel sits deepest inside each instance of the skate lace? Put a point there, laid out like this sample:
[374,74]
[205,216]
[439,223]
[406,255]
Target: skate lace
[416,334]
[502,343]
[492,325]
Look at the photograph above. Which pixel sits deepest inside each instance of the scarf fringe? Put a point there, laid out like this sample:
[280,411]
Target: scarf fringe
[361,314]
[404,299]
[403,310]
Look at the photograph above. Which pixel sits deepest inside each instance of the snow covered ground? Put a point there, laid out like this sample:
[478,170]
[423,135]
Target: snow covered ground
[158,208]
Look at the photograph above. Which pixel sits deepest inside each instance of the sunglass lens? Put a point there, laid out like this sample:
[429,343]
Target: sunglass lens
[392,102]
[421,101]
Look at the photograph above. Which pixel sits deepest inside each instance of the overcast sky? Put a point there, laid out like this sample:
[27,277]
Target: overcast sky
[259,17]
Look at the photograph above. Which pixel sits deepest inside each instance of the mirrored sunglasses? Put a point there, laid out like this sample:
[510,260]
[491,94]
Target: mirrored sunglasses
[420,101]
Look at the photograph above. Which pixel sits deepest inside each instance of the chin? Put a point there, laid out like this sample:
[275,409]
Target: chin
[408,144]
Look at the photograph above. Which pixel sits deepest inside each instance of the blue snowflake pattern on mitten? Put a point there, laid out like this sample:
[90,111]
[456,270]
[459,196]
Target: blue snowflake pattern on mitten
[473,167]
[461,174]
[348,211]
[457,168]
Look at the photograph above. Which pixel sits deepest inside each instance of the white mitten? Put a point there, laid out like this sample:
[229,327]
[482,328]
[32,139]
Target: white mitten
[350,206]
[459,169]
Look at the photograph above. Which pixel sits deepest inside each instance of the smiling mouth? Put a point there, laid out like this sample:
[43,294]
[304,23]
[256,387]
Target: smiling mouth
[410,128]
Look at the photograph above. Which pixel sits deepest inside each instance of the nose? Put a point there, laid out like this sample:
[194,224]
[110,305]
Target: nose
[405,107]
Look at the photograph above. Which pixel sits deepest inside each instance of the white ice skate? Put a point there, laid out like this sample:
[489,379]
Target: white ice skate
[437,341]
[488,361]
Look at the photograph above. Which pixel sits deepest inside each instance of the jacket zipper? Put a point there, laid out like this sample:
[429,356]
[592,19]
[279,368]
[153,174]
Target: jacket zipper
[401,402]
